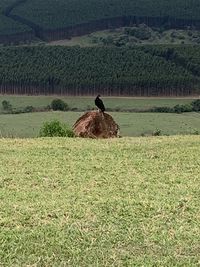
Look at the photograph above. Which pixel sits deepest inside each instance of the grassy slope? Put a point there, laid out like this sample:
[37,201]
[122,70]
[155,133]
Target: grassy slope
[73,202]
[131,124]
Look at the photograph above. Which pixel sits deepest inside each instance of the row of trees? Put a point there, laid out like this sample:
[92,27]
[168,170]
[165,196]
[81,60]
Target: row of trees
[88,71]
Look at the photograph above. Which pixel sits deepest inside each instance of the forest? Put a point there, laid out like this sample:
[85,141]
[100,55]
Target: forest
[51,20]
[12,30]
[59,14]
[136,71]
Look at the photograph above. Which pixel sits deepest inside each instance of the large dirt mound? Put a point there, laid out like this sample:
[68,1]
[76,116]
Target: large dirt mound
[95,124]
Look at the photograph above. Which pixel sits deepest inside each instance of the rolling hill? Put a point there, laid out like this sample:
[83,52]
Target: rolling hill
[115,66]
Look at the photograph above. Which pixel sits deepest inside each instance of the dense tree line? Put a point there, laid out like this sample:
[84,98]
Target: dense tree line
[88,71]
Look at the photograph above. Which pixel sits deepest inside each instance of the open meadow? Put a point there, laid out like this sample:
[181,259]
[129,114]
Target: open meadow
[99,133]
[131,124]
[27,125]
[82,102]
[119,202]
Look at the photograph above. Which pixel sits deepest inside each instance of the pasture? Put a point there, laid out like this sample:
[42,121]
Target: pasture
[120,202]
[131,124]
[88,102]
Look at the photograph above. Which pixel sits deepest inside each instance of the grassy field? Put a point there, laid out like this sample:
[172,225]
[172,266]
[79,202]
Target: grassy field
[131,124]
[88,102]
[121,202]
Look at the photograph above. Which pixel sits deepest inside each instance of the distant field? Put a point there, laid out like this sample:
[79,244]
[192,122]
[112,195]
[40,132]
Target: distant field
[121,202]
[131,124]
[88,102]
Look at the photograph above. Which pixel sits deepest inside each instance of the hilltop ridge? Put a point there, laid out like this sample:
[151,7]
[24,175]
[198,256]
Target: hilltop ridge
[52,20]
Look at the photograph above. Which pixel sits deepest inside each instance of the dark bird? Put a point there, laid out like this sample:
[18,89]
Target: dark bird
[99,103]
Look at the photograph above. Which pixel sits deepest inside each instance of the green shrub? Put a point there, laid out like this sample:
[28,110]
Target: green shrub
[195,132]
[28,109]
[183,108]
[6,105]
[55,128]
[187,108]
[157,132]
[196,105]
[59,104]
[162,109]
[142,32]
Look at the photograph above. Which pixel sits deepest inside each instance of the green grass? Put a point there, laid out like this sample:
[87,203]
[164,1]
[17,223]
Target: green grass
[121,202]
[84,102]
[131,124]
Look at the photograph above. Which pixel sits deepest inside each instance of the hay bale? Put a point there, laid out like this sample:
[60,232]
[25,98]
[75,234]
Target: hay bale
[95,124]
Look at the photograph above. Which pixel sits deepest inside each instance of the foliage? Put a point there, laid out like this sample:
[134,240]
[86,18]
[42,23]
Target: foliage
[196,105]
[28,109]
[54,14]
[183,108]
[138,71]
[6,105]
[162,109]
[59,104]
[9,27]
[55,128]
[157,132]
[142,32]
[40,17]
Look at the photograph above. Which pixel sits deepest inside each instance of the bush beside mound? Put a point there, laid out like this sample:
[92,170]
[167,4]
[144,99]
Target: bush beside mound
[6,106]
[55,129]
[59,104]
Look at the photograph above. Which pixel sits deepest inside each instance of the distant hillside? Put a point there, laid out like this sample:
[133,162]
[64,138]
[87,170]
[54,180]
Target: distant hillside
[50,19]
[137,71]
